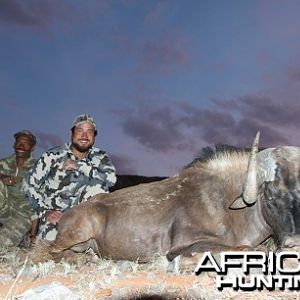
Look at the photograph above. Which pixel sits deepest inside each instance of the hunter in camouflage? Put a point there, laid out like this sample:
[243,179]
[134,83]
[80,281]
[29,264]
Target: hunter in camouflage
[15,212]
[69,175]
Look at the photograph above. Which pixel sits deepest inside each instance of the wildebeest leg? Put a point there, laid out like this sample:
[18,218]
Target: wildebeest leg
[197,246]
[184,256]
[187,257]
[78,229]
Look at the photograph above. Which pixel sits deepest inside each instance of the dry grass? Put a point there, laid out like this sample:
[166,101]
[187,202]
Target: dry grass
[106,279]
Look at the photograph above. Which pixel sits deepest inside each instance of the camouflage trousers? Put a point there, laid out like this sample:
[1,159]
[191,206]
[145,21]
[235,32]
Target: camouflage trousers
[14,218]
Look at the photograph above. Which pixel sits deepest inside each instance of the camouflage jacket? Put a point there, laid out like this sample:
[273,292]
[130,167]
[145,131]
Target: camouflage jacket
[50,187]
[8,166]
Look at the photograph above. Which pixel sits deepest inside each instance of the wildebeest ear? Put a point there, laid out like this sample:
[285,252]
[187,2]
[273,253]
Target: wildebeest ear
[238,203]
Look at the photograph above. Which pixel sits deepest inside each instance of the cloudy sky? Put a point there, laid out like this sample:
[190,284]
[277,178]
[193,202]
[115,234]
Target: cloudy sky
[161,78]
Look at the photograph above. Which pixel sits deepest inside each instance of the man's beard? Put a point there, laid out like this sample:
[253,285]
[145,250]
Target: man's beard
[23,154]
[81,149]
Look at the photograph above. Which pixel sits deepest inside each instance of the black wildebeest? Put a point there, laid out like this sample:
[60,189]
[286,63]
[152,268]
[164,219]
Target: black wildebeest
[232,199]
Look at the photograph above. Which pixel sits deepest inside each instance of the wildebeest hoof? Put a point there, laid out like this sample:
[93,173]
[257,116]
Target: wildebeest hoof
[185,264]
[173,266]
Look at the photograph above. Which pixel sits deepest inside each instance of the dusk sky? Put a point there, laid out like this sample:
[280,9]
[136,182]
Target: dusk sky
[161,78]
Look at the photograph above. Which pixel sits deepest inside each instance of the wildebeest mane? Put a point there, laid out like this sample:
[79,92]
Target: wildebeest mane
[213,152]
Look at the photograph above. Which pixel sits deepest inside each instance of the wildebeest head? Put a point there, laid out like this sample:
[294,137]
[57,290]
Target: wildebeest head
[273,181]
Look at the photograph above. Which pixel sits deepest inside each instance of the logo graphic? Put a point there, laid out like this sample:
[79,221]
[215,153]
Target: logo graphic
[253,270]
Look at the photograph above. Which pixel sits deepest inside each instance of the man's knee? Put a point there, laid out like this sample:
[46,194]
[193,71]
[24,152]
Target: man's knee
[16,226]
[6,240]
[10,237]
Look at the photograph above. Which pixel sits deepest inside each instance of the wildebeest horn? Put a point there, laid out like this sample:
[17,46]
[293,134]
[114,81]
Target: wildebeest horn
[250,186]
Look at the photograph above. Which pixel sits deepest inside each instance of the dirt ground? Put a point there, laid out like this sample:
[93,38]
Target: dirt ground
[105,279]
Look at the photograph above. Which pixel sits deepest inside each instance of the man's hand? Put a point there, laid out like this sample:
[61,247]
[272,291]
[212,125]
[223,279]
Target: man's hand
[70,165]
[53,216]
[9,180]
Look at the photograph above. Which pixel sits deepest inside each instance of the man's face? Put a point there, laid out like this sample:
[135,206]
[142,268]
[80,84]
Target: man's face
[23,146]
[83,137]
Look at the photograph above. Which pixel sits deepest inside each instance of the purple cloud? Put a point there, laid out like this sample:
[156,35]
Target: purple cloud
[236,121]
[186,127]
[156,128]
[197,117]
[264,109]
[32,13]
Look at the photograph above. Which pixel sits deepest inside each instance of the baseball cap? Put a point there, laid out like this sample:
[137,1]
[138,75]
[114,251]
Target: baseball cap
[27,133]
[84,118]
